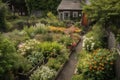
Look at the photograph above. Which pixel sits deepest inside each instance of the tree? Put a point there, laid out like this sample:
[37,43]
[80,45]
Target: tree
[17,6]
[105,11]
[3,22]
[10,61]
[43,5]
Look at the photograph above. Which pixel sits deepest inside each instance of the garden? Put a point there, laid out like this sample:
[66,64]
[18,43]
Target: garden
[37,48]
[36,52]
[95,61]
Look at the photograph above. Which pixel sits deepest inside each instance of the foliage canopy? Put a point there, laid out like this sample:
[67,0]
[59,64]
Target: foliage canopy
[105,11]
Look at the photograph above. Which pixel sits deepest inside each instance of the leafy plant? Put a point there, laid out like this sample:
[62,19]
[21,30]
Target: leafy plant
[66,40]
[54,64]
[51,49]
[43,73]
[35,57]
[94,39]
[17,36]
[77,77]
[3,22]
[41,28]
[11,62]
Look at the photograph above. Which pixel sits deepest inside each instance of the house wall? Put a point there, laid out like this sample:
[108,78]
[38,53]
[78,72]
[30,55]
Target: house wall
[71,17]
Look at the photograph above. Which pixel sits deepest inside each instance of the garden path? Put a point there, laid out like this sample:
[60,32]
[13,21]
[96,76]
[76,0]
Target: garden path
[69,68]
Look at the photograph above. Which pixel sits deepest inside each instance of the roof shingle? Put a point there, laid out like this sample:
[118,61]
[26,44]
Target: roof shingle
[69,5]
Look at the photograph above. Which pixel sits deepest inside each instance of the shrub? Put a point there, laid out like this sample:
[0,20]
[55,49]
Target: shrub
[41,28]
[30,31]
[27,47]
[83,62]
[51,49]
[19,24]
[35,57]
[52,20]
[118,37]
[43,73]
[89,44]
[54,64]
[66,40]
[101,65]
[94,39]
[77,77]
[3,22]
[48,37]
[11,62]
[77,24]
[17,36]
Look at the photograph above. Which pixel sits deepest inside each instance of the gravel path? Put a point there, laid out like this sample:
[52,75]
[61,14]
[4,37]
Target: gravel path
[69,67]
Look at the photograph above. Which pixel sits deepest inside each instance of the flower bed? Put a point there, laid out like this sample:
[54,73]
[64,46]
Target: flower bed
[39,46]
[63,29]
[99,65]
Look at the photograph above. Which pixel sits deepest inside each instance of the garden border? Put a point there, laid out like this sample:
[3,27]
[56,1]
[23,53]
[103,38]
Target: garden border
[72,51]
[117,65]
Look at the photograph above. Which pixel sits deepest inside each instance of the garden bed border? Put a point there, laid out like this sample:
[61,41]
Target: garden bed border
[72,50]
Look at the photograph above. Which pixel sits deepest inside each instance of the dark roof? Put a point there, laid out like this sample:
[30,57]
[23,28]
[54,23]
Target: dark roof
[69,5]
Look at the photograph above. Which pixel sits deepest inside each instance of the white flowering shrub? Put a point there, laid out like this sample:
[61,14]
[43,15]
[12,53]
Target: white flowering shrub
[90,43]
[95,38]
[28,46]
[43,73]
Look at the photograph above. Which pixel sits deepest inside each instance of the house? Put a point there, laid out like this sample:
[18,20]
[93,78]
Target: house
[69,10]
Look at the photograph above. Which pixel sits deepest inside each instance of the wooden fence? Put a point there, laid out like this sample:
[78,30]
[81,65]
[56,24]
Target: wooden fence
[118,63]
[111,45]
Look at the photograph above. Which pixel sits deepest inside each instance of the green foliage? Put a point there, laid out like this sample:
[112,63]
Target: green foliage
[51,16]
[3,22]
[39,29]
[51,49]
[118,37]
[36,52]
[43,5]
[10,60]
[77,77]
[19,24]
[43,73]
[83,62]
[101,65]
[77,24]
[35,57]
[54,64]
[107,11]
[17,36]
[4,46]
[94,39]
[28,46]
[66,40]
[52,20]
[48,37]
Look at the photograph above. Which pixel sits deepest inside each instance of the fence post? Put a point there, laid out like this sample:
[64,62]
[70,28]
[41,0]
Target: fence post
[117,66]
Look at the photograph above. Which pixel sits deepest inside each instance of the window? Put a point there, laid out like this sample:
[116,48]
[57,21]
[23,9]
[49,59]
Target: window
[75,14]
[66,15]
[60,15]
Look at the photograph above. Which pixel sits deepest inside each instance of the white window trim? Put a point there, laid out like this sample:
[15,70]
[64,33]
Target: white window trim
[75,14]
[61,17]
[64,15]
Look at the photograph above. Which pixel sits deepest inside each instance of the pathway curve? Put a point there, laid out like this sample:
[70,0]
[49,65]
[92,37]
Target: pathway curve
[69,67]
